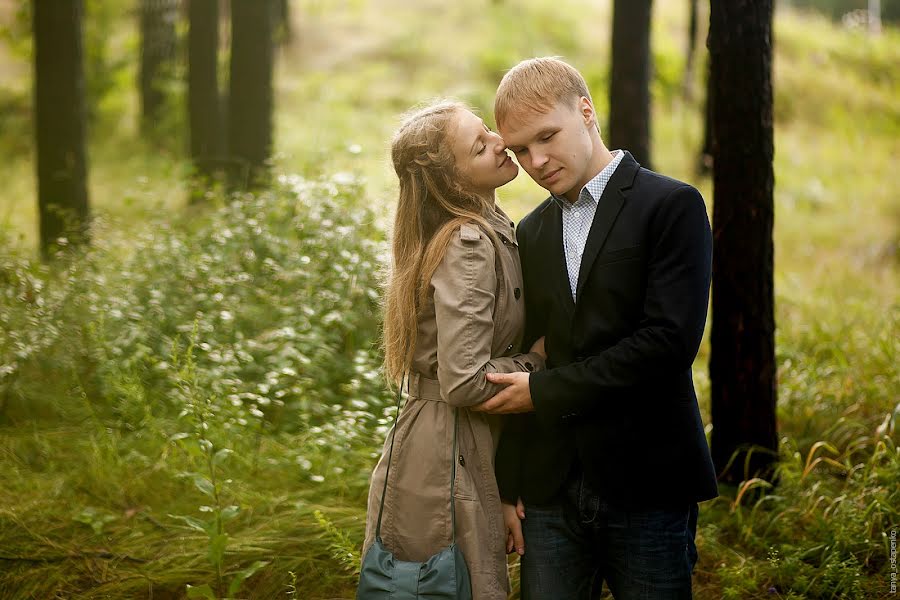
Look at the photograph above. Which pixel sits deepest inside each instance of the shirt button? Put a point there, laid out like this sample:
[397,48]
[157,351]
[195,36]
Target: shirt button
[517,293]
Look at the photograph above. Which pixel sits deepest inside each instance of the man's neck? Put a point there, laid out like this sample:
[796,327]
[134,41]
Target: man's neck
[599,161]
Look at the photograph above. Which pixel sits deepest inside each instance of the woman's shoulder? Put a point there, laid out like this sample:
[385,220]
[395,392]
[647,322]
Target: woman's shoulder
[470,231]
[469,244]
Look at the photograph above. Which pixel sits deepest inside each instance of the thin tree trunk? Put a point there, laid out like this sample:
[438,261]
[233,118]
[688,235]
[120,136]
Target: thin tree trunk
[629,82]
[204,100]
[874,19]
[687,85]
[742,361]
[250,92]
[284,31]
[705,160]
[158,47]
[59,108]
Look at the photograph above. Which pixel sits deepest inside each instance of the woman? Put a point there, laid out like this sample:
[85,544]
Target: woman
[454,312]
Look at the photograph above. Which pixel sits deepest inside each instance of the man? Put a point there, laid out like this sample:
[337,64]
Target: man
[608,458]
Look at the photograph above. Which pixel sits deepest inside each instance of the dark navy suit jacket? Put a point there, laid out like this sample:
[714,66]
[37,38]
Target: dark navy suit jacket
[617,397]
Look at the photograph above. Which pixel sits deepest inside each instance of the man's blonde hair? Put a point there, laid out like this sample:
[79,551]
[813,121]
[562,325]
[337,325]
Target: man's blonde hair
[537,84]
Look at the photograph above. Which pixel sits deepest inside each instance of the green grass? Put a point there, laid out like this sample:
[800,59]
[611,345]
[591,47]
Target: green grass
[123,454]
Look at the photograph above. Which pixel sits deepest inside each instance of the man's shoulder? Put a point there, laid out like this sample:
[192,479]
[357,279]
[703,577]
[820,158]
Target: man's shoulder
[536,214]
[659,184]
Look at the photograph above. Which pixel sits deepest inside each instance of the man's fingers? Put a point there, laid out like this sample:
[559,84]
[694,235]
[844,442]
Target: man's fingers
[510,542]
[481,407]
[493,403]
[520,509]
[500,377]
[518,540]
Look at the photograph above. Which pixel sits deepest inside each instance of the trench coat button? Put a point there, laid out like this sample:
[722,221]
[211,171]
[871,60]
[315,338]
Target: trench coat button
[462,461]
[529,366]
[517,293]
[510,347]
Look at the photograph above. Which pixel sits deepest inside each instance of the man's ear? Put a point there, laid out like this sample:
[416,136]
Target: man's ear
[588,114]
[586,109]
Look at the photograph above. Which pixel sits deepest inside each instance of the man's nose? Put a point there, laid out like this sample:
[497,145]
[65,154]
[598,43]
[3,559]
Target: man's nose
[539,159]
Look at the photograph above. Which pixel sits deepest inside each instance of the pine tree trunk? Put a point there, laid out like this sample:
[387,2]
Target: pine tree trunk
[283,18]
[158,48]
[250,92]
[59,108]
[629,82]
[742,361]
[204,100]
[687,85]
[705,160]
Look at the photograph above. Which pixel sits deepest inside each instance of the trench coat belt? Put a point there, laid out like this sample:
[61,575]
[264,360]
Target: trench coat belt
[424,388]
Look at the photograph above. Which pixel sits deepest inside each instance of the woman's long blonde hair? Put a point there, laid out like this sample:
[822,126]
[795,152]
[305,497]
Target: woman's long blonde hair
[433,201]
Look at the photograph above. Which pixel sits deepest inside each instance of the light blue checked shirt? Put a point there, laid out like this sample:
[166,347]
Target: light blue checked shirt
[577,217]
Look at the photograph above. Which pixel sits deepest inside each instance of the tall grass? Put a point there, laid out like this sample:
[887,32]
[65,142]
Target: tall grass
[159,392]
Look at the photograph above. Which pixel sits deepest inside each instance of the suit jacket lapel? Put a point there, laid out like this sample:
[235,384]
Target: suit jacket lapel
[608,208]
[552,242]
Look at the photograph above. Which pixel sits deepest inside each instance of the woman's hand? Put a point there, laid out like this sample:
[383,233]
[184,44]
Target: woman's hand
[512,517]
[538,347]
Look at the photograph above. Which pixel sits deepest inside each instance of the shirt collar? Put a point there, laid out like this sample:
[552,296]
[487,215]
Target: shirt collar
[594,188]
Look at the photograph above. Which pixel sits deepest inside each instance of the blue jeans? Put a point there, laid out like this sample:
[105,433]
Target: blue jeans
[579,541]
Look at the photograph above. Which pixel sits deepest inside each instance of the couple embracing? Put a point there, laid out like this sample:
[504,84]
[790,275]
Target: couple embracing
[551,409]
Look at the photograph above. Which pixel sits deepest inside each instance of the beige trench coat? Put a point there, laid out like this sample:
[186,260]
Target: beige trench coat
[472,325]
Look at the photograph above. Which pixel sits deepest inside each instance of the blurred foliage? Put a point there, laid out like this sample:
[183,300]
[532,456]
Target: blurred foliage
[240,343]
[890,9]
[282,288]
[111,58]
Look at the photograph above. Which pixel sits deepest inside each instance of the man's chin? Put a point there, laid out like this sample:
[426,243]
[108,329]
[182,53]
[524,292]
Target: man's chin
[556,189]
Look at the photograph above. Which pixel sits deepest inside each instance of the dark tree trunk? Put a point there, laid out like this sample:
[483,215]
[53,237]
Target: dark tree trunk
[705,160]
[250,92]
[158,47]
[204,100]
[283,18]
[629,82]
[687,87]
[742,359]
[59,108]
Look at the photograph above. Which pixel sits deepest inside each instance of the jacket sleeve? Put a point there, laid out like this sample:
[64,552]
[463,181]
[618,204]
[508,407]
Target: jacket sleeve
[463,286]
[674,315]
[508,460]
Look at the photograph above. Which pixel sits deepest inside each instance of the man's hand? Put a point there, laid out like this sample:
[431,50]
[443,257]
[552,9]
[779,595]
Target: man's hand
[512,517]
[516,398]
